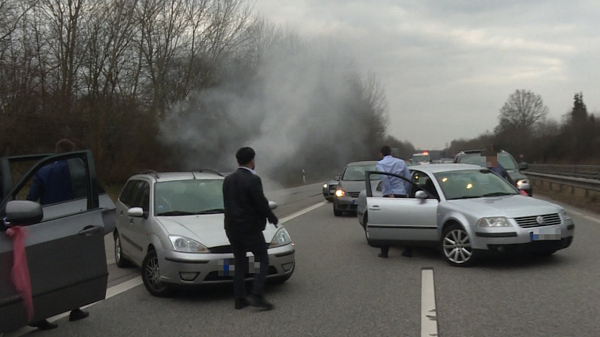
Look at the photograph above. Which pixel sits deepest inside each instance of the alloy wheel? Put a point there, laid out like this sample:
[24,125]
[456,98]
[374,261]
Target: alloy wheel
[457,246]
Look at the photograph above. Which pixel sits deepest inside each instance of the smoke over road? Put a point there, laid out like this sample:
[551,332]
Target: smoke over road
[300,106]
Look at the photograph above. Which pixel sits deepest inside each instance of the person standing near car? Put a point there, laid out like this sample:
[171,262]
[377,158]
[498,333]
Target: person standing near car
[393,187]
[51,184]
[491,162]
[246,212]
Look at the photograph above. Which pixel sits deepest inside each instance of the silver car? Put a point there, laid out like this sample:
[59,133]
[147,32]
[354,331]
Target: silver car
[466,211]
[171,225]
[351,182]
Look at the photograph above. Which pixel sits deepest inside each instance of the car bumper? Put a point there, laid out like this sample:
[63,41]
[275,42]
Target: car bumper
[195,269]
[346,204]
[517,239]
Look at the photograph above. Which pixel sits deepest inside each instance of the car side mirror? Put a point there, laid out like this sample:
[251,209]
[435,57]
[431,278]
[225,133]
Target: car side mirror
[272,204]
[136,212]
[523,166]
[23,212]
[420,194]
[336,178]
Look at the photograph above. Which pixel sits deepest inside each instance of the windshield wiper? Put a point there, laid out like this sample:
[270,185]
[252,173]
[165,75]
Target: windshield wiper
[212,211]
[467,197]
[175,213]
[497,194]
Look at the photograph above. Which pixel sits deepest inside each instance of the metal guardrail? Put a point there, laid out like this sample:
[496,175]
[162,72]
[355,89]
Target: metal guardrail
[579,171]
[573,182]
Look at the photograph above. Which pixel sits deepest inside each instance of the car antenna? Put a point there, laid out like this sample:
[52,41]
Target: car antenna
[209,170]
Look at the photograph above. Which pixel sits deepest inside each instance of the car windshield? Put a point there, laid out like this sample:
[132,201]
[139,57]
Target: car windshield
[479,159]
[469,184]
[357,172]
[188,197]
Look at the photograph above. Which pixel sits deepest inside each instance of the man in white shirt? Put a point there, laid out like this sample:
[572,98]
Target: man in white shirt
[393,187]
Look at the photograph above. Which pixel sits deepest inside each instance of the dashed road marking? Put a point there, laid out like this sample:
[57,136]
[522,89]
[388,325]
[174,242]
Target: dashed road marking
[429,325]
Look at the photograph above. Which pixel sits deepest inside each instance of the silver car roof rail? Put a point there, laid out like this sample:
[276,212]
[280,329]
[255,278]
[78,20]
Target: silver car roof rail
[151,172]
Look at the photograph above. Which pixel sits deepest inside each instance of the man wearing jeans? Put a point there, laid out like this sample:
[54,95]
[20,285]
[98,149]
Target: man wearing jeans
[393,187]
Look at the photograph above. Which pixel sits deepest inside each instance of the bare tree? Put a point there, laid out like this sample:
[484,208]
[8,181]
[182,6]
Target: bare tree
[521,112]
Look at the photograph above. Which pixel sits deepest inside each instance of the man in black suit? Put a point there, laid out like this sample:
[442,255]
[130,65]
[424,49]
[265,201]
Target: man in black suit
[246,212]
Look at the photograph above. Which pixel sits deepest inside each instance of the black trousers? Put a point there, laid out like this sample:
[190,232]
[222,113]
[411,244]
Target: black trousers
[254,243]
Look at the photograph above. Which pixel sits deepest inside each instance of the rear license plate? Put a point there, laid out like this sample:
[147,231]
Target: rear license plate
[540,234]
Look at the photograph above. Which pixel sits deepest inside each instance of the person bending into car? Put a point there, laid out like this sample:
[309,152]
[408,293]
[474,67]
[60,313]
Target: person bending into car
[52,184]
[246,212]
[393,187]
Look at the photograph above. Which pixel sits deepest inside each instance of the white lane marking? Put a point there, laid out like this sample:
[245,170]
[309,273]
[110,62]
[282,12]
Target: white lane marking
[429,326]
[130,284]
[591,218]
[302,212]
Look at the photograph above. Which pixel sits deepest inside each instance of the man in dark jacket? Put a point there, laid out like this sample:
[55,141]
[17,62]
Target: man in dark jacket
[246,212]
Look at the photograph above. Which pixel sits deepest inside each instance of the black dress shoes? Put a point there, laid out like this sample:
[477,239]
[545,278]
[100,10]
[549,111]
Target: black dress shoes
[44,325]
[77,314]
[260,302]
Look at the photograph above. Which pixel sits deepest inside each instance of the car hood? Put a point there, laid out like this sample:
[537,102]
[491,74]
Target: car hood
[207,229]
[356,186]
[508,206]
[516,175]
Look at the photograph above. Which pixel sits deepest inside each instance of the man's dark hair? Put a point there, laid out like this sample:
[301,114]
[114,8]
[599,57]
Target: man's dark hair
[386,150]
[65,145]
[245,155]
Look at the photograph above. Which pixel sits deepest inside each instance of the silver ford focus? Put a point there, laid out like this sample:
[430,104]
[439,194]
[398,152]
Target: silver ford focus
[171,225]
[467,212]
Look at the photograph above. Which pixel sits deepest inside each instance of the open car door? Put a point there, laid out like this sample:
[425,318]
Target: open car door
[65,249]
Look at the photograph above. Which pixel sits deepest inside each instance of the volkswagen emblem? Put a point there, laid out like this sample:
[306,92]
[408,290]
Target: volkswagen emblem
[540,220]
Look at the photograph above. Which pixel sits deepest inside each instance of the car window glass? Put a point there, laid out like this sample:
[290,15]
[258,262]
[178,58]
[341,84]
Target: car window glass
[506,161]
[126,196]
[188,196]
[357,173]
[425,182]
[141,191]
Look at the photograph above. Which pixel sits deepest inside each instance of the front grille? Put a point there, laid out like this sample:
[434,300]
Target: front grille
[353,194]
[531,221]
[225,249]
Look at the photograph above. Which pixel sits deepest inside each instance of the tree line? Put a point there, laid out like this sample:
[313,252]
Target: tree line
[525,131]
[179,84]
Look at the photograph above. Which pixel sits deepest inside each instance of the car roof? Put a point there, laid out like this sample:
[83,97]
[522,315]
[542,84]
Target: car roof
[362,163]
[436,168]
[174,176]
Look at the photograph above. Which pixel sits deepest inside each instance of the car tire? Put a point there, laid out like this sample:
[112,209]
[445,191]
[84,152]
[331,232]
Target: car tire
[282,279]
[120,260]
[151,276]
[455,246]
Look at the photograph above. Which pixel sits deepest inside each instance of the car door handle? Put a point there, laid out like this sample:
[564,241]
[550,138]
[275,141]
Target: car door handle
[90,230]
[374,208]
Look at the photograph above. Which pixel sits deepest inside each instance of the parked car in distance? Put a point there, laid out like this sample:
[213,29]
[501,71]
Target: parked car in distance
[351,182]
[64,242]
[421,158]
[466,212]
[507,161]
[171,225]
[329,188]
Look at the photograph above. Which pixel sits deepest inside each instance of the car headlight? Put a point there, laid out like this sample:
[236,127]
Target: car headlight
[521,182]
[340,193]
[324,185]
[281,238]
[564,215]
[187,245]
[493,222]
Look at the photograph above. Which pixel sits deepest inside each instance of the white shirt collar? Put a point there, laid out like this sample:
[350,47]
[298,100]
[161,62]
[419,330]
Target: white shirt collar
[249,169]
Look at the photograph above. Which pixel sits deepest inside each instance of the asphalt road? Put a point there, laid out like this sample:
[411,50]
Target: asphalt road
[340,287]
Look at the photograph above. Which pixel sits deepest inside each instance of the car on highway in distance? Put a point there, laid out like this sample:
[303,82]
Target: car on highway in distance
[64,245]
[477,157]
[329,188]
[467,212]
[171,225]
[420,158]
[351,182]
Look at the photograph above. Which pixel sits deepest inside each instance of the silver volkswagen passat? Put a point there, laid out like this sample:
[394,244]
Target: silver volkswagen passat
[171,225]
[466,211]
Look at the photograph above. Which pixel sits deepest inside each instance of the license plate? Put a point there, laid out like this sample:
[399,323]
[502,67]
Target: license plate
[227,266]
[545,234]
